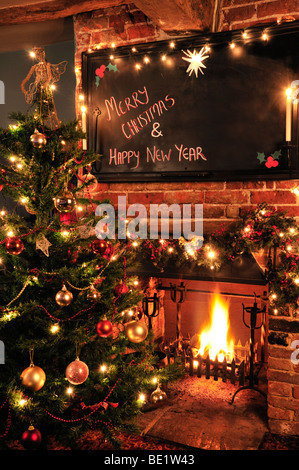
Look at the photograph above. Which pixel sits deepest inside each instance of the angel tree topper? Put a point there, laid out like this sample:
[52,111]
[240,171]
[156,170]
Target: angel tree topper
[43,75]
[196,60]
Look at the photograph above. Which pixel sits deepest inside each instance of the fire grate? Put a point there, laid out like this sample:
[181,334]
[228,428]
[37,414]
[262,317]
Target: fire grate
[234,371]
[217,369]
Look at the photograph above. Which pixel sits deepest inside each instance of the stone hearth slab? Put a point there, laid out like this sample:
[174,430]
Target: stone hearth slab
[198,414]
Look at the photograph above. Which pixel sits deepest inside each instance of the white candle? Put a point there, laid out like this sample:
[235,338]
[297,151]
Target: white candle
[84,141]
[295,121]
[288,115]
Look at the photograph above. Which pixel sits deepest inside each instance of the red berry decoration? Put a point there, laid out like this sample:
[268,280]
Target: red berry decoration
[104,328]
[14,246]
[103,248]
[31,438]
[121,289]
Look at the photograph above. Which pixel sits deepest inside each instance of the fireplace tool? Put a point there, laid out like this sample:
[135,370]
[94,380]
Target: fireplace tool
[97,112]
[151,312]
[254,311]
[178,295]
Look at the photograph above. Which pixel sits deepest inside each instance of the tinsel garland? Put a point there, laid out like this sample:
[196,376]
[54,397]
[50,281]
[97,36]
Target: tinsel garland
[262,228]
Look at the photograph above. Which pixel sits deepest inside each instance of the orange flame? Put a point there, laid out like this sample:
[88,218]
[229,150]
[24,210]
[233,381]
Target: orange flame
[214,339]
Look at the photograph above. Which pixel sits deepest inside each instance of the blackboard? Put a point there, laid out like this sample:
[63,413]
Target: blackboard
[152,118]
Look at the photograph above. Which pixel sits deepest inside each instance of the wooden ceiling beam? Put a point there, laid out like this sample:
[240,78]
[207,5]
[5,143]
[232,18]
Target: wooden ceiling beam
[51,10]
[172,16]
[180,15]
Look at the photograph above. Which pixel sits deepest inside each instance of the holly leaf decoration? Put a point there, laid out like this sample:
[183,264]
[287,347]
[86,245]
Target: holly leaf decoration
[276,155]
[261,157]
[112,67]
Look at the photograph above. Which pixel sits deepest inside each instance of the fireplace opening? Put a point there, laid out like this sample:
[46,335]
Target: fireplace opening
[218,330]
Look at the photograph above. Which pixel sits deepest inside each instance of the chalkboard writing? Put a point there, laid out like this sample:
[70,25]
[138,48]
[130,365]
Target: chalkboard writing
[192,111]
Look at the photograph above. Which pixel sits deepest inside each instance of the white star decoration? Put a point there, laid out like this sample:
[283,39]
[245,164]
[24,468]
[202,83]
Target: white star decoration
[85,231]
[43,244]
[196,60]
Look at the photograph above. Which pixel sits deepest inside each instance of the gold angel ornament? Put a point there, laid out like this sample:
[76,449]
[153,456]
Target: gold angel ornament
[40,80]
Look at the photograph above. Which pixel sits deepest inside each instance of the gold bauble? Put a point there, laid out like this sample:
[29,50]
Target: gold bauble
[158,396]
[93,294]
[128,316]
[65,202]
[38,139]
[64,297]
[33,377]
[136,331]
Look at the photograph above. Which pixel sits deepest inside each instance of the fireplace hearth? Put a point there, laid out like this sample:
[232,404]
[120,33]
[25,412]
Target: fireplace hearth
[221,401]
[204,418]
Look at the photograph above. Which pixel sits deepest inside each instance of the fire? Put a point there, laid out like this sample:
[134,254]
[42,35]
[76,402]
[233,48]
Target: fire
[214,339]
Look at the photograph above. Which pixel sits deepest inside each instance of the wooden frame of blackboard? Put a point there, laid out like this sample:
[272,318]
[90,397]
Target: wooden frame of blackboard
[285,33]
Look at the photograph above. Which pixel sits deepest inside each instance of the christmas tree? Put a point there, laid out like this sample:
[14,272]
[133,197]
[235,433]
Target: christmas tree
[75,360]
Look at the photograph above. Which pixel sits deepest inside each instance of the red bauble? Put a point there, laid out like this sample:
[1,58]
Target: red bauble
[104,328]
[103,248]
[31,438]
[77,372]
[14,246]
[109,251]
[121,289]
[99,246]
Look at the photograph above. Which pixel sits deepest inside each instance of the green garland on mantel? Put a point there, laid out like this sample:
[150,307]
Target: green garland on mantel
[268,234]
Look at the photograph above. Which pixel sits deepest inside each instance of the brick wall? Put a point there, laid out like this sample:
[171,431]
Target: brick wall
[239,14]
[223,202]
[283,376]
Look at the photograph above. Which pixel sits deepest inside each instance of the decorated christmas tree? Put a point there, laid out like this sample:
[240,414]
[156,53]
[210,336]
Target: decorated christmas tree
[75,358]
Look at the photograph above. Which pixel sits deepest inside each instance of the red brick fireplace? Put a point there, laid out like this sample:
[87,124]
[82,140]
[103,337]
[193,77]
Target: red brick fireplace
[223,201]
